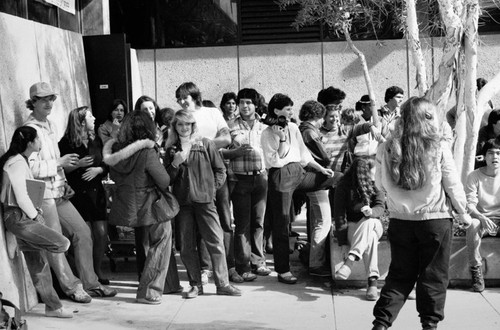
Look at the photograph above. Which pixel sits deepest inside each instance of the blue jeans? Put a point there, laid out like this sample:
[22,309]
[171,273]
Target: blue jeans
[203,219]
[321,222]
[62,216]
[249,206]
[420,252]
[158,255]
[35,239]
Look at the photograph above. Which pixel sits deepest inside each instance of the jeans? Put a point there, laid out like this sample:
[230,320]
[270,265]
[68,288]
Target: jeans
[224,212]
[320,219]
[249,206]
[420,252]
[474,234]
[62,216]
[35,240]
[282,182]
[158,256]
[203,219]
[363,237]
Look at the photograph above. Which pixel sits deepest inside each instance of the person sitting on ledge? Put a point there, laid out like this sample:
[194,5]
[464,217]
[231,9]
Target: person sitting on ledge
[483,200]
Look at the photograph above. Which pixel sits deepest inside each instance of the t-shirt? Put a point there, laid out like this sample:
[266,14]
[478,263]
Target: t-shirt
[209,121]
[483,191]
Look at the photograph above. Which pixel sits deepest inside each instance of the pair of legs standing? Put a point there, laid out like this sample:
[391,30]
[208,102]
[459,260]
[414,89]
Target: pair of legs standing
[420,253]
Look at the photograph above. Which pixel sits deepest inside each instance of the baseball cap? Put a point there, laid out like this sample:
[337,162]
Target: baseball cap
[41,89]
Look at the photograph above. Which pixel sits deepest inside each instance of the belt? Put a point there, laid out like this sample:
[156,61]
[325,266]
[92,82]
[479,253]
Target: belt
[254,173]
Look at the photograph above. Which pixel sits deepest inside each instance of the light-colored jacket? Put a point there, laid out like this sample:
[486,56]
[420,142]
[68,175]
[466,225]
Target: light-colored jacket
[432,201]
[43,164]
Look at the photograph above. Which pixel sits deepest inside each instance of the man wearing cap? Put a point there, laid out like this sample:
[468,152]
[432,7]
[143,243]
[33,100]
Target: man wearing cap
[58,212]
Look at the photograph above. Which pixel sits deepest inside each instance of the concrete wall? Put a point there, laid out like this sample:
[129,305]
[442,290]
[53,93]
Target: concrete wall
[299,70]
[33,52]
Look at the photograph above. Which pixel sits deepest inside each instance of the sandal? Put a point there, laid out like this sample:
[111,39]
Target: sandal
[287,279]
[150,300]
[102,291]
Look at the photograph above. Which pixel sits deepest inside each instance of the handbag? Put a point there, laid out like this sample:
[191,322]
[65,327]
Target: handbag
[11,323]
[164,205]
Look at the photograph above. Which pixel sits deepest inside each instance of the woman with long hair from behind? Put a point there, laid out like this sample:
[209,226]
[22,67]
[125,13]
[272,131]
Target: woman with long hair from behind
[86,179]
[26,222]
[416,170]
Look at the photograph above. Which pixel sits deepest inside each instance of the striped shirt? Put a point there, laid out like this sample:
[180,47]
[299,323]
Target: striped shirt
[335,145]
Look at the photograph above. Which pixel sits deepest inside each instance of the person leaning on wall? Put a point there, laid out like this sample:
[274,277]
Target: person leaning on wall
[59,212]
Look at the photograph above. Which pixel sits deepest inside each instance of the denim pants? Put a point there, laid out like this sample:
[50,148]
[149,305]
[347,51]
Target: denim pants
[249,206]
[62,216]
[320,220]
[152,281]
[363,236]
[224,212]
[202,218]
[35,240]
[473,236]
[282,182]
[420,252]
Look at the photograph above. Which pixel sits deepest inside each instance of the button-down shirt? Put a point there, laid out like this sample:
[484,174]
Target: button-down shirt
[242,133]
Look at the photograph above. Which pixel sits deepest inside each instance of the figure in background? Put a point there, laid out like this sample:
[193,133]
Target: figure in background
[358,208]
[483,201]
[149,105]
[286,157]
[86,179]
[166,117]
[197,171]
[319,216]
[416,171]
[211,125]
[228,106]
[58,211]
[109,129]
[26,222]
[389,113]
[136,169]
[363,107]
[486,133]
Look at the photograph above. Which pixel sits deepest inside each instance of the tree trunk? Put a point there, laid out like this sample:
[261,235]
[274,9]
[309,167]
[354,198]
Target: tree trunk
[414,40]
[366,74]
[442,88]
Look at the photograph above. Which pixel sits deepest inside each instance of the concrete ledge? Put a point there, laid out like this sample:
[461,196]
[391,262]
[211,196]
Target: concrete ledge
[459,268]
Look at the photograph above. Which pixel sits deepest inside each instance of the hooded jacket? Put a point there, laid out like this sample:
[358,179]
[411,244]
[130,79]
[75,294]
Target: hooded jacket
[136,170]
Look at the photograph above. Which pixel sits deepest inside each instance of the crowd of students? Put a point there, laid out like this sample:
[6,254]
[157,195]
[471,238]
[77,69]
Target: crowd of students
[352,166]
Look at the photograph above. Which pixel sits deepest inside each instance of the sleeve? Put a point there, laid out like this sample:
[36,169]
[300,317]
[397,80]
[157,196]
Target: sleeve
[471,189]
[378,205]
[217,164]
[17,177]
[221,123]
[270,145]
[40,167]
[340,200]
[313,142]
[156,170]
[305,154]
[451,183]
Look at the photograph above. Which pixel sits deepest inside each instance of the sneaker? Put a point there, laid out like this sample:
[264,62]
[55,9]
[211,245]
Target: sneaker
[262,271]
[194,292]
[235,277]
[248,276]
[80,296]
[228,290]
[320,271]
[477,279]
[61,313]
[205,275]
[103,291]
[345,270]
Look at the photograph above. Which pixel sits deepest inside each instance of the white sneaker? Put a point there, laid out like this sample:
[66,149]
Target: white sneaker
[59,313]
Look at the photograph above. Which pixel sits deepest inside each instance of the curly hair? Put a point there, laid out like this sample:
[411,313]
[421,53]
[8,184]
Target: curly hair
[414,143]
[331,95]
[311,110]
[361,180]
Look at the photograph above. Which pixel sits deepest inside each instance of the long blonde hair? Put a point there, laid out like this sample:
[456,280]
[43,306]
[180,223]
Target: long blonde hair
[414,143]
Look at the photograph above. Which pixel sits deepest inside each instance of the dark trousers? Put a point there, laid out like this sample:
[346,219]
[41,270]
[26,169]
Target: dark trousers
[282,182]
[249,206]
[420,253]
[224,212]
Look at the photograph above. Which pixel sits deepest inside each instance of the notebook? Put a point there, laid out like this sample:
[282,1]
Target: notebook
[36,189]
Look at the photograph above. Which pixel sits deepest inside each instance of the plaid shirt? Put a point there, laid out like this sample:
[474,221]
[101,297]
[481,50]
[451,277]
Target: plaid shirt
[241,133]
